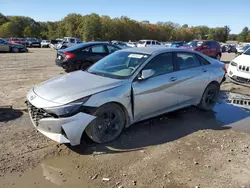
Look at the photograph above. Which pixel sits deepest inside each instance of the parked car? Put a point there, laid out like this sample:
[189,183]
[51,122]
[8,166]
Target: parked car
[16,40]
[149,43]
[45,43]
[242,49]
[177,44]
[67,42]
[239,69]
[207,47]
[232,48]
[83,55]
[120,44]
[121,89]
[132,44]
[33,42]
[11,47]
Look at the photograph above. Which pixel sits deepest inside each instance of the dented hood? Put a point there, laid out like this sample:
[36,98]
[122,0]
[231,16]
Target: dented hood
[70,87]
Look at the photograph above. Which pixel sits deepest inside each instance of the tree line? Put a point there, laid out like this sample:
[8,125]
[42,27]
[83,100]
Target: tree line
[94,27]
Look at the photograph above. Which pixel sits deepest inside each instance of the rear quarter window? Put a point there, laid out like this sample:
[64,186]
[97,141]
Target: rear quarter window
[203,61]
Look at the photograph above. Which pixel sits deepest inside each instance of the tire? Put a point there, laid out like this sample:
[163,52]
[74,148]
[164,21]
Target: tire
[14,50]
[85,65]
[209,97]
[108,125]
[218,56]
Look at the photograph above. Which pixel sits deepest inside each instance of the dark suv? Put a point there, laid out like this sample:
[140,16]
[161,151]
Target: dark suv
[207,47]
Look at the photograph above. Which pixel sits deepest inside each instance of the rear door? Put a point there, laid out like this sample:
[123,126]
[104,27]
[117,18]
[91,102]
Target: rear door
[111,48]
[97,52]
[210,50]
[193,77]
[159,93]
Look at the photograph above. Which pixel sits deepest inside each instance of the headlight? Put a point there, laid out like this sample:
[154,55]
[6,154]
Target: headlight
[233,64]
[68,109]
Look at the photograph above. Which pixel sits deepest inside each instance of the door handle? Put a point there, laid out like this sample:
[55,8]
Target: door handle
[204,70]
[172,79]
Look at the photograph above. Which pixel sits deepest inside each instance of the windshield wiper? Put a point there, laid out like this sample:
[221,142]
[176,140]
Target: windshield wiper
[96,73]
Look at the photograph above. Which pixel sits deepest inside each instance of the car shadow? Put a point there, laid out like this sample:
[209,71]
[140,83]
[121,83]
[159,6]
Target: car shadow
[162,129]
[8,114]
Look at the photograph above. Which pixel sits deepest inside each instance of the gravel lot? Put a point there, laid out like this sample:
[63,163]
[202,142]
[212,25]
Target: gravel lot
[183,149]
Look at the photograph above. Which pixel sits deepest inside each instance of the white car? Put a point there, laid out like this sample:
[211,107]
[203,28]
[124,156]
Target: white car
[131,44]
[45,43]
[239,69]
[242,49]
[149,43]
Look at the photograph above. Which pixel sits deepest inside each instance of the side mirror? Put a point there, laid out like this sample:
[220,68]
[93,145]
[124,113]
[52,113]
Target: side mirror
[145,74]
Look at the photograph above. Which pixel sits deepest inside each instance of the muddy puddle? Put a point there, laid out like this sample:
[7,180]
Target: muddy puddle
[231,112]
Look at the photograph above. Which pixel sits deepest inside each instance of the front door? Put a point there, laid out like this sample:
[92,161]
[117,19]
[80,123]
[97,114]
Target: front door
[157,94]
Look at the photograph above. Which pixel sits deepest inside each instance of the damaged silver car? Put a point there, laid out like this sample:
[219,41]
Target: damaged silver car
[125,87]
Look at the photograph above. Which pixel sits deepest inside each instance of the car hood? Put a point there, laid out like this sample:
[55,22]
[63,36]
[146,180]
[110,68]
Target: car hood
[70,87]
[242,60]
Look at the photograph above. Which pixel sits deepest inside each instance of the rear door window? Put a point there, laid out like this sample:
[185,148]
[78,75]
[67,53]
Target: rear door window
[112,49]
[187,60]
[98,49]
[153,42]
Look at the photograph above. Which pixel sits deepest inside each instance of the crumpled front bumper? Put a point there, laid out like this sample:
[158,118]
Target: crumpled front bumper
[64,130]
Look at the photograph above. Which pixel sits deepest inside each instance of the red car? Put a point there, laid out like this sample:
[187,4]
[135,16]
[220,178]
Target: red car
[16,40]
[207,47]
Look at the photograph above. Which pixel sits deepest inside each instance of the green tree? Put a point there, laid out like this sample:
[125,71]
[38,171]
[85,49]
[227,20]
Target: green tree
[242,37]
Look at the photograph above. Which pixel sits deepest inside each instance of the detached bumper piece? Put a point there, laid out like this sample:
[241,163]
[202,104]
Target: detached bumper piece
[61,130]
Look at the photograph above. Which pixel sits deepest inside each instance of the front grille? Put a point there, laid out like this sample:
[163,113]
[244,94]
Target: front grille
[36,113]
[244,68]
[241,80]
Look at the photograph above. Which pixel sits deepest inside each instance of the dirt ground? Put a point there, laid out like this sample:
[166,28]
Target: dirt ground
[183,149]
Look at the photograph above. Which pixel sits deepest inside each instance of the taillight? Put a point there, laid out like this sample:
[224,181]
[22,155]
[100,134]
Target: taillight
[68,55]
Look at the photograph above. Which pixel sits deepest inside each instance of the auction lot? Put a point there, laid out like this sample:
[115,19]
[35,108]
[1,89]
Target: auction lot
[184,149]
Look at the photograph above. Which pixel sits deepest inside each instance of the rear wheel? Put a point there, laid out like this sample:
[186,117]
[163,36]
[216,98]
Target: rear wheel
[209,97]
[14,50]
[108,125]
[85,65]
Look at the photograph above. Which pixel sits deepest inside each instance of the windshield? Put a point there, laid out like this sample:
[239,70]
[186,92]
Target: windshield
[245,47]
[247,52]
[194,43]
[118,65]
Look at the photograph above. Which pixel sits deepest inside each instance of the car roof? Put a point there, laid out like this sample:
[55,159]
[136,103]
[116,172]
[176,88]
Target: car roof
[152,50]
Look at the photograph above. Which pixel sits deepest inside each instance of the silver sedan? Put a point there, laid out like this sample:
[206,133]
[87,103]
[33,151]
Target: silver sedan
[125,87]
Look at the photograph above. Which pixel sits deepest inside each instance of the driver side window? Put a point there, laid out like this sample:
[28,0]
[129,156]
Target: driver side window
[161,64]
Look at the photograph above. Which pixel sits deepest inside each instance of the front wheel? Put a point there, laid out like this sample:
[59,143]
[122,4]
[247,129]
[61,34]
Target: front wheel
[209,97]
[108,125]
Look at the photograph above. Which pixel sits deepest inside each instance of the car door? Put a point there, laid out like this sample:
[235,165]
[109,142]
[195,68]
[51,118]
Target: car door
[97,52]
[4,47]
[206,48]
[112,48]
[193,77]
[157,94]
